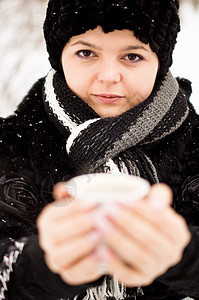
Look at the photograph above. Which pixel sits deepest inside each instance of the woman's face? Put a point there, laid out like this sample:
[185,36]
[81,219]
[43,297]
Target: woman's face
[111,72]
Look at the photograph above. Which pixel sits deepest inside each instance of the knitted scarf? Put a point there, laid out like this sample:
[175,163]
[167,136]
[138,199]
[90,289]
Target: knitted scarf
[114,144]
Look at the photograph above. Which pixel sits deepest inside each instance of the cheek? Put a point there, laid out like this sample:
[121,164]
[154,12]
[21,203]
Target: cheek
[142,85]
[74,79]
[149,84]
[78,84]
[71,80]
[146,84]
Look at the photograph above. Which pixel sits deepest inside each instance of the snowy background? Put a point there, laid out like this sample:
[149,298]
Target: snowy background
[24,58]
[23,54]
[186,53]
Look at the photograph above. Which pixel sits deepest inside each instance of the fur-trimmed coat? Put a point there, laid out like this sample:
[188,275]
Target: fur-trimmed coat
[33,158]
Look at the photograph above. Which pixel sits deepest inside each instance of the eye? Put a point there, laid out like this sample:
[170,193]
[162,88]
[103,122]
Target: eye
[85,53]
[133,57]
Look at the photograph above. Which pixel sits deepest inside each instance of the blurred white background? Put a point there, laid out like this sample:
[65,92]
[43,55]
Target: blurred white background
[186,54]
[23,57]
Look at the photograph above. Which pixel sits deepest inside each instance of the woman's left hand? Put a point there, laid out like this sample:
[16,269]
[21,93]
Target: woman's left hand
[141,242]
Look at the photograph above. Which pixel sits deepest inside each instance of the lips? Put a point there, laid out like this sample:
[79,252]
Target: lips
[108,98]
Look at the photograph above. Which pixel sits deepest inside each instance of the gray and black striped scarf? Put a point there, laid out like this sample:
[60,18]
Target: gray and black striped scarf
[114,144]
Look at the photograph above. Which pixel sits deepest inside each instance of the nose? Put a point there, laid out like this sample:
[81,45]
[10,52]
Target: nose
[109,72]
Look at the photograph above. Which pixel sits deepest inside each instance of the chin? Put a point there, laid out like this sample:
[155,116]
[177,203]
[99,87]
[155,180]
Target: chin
[106,111]
[108,114]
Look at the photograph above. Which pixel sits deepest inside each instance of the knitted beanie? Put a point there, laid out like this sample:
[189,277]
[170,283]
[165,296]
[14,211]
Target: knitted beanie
[153,21]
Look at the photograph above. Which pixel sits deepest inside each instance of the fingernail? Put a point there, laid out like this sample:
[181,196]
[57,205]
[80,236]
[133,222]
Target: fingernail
[105,227]
[94,236]
[111,210]
[102,253]
[102,224]
[157,204]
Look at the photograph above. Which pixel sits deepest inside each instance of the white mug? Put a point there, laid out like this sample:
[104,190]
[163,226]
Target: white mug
[103,188]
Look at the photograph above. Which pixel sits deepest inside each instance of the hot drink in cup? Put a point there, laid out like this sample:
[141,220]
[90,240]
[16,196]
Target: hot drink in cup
[103,188]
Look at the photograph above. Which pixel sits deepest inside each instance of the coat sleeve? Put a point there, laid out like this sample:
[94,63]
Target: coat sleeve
[184,277]
[23,272]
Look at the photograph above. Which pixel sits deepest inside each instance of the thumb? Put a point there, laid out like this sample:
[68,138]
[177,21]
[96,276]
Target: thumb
[160,196]
[60,192]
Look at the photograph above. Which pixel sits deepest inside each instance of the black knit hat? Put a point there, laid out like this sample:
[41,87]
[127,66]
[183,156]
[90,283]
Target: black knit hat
[153,21]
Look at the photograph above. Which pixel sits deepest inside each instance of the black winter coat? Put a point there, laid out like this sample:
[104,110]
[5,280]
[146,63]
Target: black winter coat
[33,159]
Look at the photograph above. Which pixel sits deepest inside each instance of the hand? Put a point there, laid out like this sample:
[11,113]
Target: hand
[68,239]
[143,241]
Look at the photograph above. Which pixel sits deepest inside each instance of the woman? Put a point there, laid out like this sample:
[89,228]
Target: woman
[110,104]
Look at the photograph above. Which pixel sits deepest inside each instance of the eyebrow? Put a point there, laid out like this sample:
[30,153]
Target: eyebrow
[86,44]
[136,47]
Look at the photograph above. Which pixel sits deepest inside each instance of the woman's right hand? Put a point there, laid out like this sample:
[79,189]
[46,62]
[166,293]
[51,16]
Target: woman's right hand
[68,239]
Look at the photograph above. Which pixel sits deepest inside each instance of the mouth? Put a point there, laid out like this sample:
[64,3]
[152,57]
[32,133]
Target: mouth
[108,98]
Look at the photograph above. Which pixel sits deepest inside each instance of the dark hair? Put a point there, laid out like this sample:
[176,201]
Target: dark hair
[153,21]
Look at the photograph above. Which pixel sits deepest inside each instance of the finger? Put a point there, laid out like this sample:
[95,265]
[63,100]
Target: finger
[51,217]
[125,273]
[68,254]
[51,214]
[176,228]
[155,207]
[137,242]
[60,191]
[75,225]
[166,221]
[162,218]
[160,196]
[132,252]
[142,221]
[159,236]
[82,272]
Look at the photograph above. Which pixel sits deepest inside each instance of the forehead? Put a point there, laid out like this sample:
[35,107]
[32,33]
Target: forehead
[116,37]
